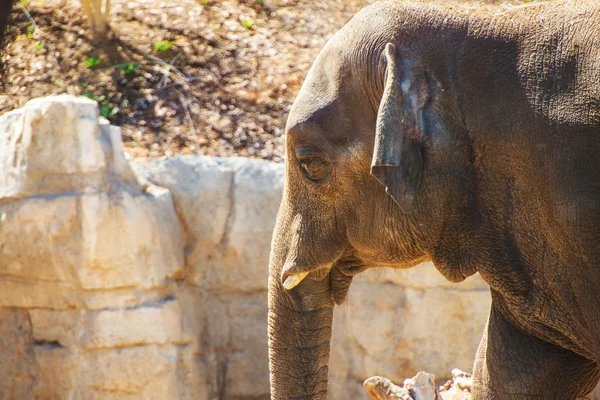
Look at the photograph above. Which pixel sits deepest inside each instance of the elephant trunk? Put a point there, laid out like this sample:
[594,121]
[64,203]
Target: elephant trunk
[300,323]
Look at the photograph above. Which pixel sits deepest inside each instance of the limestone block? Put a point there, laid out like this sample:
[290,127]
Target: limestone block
[229,207]
[192,374]
[154,323]
[18,370]
[112,145]
[41,239]
[237,351]
[58,372]
[17,292]
[257,191]
[200,187]
[100,240]
[142,372]
[248,369]
[46,141]
[125,297]
[149,371]
[129,239]
[61,327]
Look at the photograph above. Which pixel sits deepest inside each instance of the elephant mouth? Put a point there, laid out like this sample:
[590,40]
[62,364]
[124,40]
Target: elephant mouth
[339,274]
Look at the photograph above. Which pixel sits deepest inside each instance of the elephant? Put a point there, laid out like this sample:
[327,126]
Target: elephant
[465,137]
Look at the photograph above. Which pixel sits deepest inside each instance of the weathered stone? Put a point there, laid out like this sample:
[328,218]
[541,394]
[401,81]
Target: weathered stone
[154,323]
[229,207]
[421,387]
[63,328]
[191,374]
[18,370]
[126,297]
[103,240]
[148,372]
[129,239]
[47,141]
[52,251]
[237,345]
[17,292]
[248,369]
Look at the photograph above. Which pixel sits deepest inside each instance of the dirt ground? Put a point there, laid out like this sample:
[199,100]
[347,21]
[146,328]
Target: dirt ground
[223,88]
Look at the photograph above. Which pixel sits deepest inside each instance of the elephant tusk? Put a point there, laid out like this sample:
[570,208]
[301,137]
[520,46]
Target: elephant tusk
[294,280]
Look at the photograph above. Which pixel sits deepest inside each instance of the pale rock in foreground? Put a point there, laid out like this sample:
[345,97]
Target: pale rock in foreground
[421,387]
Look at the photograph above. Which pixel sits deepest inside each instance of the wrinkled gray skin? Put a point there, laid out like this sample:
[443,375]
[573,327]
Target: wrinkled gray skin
[485,130]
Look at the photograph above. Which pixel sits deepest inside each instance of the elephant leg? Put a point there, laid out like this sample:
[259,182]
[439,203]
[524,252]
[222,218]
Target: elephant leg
[512,365]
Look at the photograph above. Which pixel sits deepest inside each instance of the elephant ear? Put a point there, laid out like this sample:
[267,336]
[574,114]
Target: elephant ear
[397,156]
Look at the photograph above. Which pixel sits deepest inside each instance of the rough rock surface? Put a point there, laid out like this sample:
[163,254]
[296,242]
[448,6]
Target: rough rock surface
[421,387]
[150,282]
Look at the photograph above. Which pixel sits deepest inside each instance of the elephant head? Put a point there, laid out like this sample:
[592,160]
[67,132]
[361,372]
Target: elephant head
[371,141]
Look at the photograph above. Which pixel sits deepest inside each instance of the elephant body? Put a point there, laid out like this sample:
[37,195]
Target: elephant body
[467,137]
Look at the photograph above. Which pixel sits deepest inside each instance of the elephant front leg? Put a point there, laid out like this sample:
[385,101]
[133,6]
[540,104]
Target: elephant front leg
[512,365]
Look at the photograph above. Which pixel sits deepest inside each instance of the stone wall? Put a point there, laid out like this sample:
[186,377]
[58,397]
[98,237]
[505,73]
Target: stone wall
[149,281]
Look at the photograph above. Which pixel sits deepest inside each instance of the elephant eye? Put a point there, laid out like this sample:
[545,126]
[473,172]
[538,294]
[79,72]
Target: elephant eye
[314,163]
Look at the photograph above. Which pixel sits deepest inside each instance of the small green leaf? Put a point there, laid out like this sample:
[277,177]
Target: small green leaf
[129,68]
[107,111]
[204,2]
[83,84]
[39,46]
[247,23]
[89,94]
[92,61]
[30,30]
[163,46]
[58,82]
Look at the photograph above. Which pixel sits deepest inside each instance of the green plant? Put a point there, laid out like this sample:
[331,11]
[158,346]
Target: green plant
[247,23]
[24,3]
[105,108]
[92,61]
[58,82]
[163,46]
[204,2]
[107,111]
[84,85]
[260,2]
[30,31]
[129,67]
[91,96]
[39,46]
